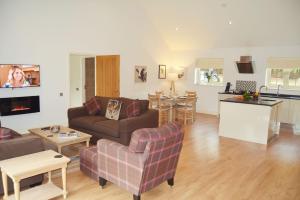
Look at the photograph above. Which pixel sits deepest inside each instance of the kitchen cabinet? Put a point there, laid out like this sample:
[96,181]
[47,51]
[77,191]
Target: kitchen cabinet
[287,110]
[295,115]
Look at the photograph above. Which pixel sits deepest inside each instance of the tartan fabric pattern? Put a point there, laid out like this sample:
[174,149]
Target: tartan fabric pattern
[139,172]
[5,134]
[92,106]
[89,161]
[133,109]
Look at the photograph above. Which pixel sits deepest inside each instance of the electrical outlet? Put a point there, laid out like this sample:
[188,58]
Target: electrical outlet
[61,94]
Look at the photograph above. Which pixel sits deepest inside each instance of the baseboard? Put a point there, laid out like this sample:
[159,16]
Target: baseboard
[208,113]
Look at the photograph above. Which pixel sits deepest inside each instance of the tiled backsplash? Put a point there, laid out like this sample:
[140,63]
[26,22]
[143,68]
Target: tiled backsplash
[245,86]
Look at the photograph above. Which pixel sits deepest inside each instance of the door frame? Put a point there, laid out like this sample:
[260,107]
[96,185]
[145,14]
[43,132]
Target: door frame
[82,71]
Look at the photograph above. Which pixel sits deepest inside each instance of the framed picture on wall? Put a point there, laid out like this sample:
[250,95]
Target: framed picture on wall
[140,74]
[162,71]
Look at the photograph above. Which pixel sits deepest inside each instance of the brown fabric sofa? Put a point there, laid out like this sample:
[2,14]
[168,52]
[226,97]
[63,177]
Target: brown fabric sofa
[16,146]
[117,130]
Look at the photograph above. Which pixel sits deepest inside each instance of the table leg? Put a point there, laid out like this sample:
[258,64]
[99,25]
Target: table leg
[59,149]
[49,177]
[4,182]
[87,143]
[17,190]
[64,181]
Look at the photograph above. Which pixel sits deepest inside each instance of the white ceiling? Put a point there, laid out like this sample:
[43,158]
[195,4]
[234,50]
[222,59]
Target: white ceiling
[205,23]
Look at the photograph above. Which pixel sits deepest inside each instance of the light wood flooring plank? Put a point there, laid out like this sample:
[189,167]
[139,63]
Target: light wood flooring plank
[213,168]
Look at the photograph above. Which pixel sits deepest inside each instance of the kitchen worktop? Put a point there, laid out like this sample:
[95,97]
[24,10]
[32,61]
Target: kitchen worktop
[271,95]
[262,102]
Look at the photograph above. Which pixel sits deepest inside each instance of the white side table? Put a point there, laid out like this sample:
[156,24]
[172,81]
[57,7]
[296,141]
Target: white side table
[30,165]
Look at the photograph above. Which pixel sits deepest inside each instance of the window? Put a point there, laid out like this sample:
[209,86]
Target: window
[208,76]
[209,71]
[284,72]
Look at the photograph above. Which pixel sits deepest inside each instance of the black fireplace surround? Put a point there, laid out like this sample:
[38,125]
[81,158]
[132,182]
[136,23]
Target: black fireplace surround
[19,105]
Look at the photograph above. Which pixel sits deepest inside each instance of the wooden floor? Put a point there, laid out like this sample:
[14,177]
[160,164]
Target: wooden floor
[216,168]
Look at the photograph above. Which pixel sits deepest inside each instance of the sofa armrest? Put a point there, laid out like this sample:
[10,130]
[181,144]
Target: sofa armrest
[149,119]
[120,166]
[76,112]
[20,146]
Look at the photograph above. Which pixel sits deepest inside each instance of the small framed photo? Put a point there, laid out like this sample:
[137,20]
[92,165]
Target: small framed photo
[162,72]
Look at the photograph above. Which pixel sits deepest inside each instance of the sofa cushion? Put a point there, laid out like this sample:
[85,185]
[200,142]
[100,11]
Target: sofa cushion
[113,109]
[133,109]
[6,133]
[109,127]
[92,106]
[86,122]
[144,105]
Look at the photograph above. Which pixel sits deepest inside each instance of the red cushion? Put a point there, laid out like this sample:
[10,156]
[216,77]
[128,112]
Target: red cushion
[133,109]
[5,133]
[92,106]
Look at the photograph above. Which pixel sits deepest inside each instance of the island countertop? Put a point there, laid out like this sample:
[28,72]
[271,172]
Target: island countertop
[262,102]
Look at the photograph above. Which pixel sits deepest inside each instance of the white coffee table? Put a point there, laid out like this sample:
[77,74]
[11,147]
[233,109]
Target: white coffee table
[22,167]
[60,142]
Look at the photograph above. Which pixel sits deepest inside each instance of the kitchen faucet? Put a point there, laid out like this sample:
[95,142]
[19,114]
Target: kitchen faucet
[261,87]
[278,86]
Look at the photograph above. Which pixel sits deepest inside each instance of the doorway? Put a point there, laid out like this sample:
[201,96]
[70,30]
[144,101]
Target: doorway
[82,78]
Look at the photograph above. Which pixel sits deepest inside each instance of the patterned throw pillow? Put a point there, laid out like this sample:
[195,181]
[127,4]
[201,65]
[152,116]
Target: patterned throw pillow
[113,109]
[5,133]
[133,109]
[92,106]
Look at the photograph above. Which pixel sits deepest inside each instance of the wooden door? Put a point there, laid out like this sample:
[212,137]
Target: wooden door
[108,76]
[89,85]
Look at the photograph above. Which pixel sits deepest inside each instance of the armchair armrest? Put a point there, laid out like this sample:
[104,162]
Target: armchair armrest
[120,166]
[20,146]
[76,112]
[148,119]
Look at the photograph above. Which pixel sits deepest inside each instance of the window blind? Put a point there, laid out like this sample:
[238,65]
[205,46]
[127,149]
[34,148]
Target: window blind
[282,63]
[206,63]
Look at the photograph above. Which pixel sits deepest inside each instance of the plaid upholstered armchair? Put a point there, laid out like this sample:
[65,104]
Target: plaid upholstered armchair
[150,159]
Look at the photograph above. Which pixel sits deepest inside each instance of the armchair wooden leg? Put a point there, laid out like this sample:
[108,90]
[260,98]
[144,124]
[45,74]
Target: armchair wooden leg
[102,182]
[171,182]
[135,197]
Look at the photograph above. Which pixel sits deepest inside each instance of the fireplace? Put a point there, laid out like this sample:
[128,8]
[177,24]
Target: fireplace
[19,105]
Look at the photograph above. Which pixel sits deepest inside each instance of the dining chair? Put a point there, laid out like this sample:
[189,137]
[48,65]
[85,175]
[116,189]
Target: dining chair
[185,111]
[159,93]
[192,94]
[163,106]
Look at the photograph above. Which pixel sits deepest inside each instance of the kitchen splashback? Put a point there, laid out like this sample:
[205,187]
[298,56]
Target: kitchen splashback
[245,86]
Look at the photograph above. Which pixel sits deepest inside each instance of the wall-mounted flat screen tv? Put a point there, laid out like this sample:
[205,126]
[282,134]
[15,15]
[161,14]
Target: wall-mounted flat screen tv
[19,75]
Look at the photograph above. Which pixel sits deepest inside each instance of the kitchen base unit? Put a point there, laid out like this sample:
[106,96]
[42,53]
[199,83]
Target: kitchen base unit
[252,121]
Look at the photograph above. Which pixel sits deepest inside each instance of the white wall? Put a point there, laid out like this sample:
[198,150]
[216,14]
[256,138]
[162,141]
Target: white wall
[208,95]
[46,32]
[76,75]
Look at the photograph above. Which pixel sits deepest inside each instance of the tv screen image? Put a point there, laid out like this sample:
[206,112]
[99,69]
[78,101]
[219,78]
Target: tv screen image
[19,75]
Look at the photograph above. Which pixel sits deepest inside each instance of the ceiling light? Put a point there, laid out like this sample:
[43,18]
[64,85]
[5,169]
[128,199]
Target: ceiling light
[229,22]
[177,28]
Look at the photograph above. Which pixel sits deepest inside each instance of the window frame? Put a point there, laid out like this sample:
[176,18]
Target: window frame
[285,78]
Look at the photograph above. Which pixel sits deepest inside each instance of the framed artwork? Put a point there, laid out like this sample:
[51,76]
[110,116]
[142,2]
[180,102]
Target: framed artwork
[162,71]
[140,74]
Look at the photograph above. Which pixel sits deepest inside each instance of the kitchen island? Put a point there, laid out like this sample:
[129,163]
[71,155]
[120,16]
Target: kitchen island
[251,120]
